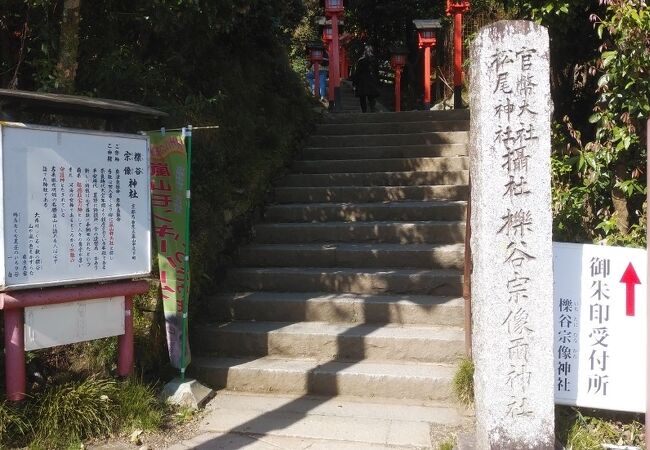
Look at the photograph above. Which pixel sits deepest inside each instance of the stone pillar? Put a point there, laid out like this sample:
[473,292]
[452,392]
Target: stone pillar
[512,281]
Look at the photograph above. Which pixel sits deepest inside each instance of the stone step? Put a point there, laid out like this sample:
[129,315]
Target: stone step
[421,381]
[368,194]
[275,439]
[454,163]
[413,178]
[326,341]
[444,282]
[234,420]
[384,152]
[363,212]
[353,255]
[341,308]
[392,117]
[351,129]
[422,232]
[439,137]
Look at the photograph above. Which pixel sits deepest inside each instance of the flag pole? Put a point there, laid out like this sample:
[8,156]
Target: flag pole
[186,263]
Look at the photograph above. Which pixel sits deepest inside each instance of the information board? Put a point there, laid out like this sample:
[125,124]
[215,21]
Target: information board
[76,206]
[600,326]
[66,323]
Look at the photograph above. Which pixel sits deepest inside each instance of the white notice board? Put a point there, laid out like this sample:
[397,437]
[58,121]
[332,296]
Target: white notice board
[600,326]
[75,206]
[66,323]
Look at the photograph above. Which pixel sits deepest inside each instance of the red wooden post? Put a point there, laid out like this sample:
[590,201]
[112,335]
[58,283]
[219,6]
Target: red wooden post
[427,76]
[458,60]
[398,89]
[457,8]
[330,84]
[14,355]
[334,8]
[335,58]
[125,341]
[458,50]
[397,61]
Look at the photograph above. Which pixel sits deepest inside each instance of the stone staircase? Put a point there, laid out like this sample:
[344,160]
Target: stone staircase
[349,103]
[345,313]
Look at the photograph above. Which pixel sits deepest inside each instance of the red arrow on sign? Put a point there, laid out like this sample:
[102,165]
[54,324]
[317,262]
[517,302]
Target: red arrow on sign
[630,278]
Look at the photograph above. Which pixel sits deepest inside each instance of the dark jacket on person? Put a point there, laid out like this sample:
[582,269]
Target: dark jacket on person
[366,77]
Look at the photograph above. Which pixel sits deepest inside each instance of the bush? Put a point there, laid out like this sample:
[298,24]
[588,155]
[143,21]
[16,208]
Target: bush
[73,411]
[580,429]
[137,407]
[63,415]
[13,424]
[599,167]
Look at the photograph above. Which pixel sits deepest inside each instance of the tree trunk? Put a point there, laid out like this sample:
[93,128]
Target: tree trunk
[66,67]
[619,200]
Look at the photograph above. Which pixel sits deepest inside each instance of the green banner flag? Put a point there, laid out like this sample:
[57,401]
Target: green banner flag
[169,208]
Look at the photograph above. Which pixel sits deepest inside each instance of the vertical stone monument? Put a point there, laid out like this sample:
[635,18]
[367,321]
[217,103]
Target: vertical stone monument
[512,282]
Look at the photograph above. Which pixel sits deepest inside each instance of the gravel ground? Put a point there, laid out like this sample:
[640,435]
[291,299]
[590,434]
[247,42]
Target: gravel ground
[171,433]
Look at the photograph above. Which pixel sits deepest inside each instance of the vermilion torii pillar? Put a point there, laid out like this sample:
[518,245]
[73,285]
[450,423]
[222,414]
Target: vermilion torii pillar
[333,9]
[427,39]
[398,61]
[457,8]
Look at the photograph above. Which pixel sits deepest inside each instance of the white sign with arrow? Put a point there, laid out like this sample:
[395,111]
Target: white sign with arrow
[600,326]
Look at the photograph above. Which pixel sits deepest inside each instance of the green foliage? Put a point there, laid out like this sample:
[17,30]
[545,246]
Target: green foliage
[96,357]
[206,62]
[137,407]
[463,382]
[599,190]
[149,335]
[13,423]
[573,48]
[63,415]
[447,445]
[387,22]
[170,50]
[73,411]
[184,414]
[546,10]
[29,34]
[588,430]
[306,31]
